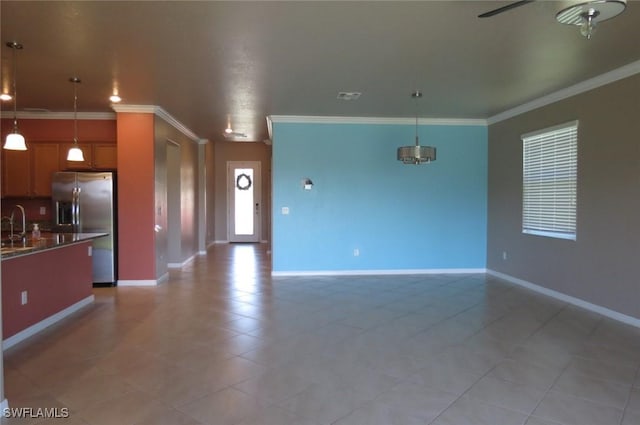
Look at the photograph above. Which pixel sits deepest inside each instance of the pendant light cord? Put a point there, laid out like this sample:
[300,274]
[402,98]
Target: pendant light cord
[75,81]
[417,95]
[75,112]
[15,46]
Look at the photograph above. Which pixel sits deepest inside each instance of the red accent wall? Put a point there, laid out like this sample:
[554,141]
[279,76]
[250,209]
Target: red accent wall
[54,280]
[136,183]
[62,130]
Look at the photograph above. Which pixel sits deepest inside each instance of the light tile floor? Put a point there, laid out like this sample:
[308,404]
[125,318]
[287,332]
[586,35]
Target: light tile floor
[224,343]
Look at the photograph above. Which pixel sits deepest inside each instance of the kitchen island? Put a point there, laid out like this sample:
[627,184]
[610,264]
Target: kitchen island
[44,281]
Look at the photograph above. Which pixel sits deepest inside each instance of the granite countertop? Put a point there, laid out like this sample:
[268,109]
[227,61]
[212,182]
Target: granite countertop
[12,249]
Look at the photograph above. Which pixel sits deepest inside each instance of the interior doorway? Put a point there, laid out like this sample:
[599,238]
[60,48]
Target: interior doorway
[244,200]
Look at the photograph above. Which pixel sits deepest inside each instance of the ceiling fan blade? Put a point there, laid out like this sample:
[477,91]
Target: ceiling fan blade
[505,8]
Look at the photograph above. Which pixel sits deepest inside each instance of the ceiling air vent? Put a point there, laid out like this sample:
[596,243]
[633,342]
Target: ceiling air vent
[349,95]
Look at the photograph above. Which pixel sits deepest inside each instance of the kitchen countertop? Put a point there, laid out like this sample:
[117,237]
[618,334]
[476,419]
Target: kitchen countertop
[47,241]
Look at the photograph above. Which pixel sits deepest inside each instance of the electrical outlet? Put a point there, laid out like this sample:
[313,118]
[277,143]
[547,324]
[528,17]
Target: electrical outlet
[285,210]
[89,251]
[356,252]
[43,210]
[23,297]
[504,255]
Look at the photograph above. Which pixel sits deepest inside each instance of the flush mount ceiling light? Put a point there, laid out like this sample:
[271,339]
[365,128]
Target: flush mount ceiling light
[75,153]
[587,15]
[15,141]
[5,97]
[416,154]
[114,98]
[349,95]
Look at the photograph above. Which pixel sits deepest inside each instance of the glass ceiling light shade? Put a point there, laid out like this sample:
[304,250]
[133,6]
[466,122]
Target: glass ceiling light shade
[416,154]
[587,15]
[75,153]
[15,141]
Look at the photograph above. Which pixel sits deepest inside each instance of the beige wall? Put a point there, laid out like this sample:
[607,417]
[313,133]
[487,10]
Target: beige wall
[599,267]
[240,151]
[210,194]
[185,223]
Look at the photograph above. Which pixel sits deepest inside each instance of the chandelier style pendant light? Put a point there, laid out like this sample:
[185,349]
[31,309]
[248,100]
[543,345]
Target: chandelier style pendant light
[416,154]
[75,153]
[15,141]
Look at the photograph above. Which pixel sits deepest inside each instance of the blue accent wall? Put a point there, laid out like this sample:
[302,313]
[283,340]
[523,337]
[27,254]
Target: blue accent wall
[400,217]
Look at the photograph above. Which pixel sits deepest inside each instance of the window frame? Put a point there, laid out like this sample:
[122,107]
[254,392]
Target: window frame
[556,199]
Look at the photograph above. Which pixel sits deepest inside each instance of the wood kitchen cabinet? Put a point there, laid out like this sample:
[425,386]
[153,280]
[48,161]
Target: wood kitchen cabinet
[97,156]
[44,164]
[28,173]
[16,173]
[105,156]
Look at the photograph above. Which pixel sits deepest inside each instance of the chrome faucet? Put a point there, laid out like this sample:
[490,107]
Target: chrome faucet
[23,234]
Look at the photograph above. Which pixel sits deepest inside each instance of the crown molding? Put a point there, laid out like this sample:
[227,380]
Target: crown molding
[584,86]
[140,109]
[160,113]
[47,115]
[301,119]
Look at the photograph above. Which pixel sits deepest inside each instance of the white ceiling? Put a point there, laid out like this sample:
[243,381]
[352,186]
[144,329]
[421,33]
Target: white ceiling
[203,62]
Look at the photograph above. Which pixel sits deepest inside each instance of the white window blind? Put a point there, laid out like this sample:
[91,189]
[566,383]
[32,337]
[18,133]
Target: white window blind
[550,164]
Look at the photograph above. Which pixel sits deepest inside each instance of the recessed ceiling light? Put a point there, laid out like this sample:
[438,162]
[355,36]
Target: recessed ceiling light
[5,96]
[349,95]
[115,98]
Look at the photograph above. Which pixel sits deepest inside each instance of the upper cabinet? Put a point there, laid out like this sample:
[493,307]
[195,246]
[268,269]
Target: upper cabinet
[28,174]
[44,163]
[97,156]
[16,173]
[105,156]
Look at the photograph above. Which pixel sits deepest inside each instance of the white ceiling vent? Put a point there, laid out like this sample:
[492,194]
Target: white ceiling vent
[349,95]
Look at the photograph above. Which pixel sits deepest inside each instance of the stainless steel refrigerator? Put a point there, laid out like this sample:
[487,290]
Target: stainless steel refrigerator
[84,202]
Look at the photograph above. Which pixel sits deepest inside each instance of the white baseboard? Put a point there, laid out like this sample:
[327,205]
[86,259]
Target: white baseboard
[163,278]
[184,263]
[612,314]
[41,325]
[137,282]
[202,253]
[375,272]
[220,242]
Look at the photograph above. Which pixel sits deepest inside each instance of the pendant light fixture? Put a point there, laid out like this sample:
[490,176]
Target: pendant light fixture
[15,141]
[75,153]
[588,14]
[416,154]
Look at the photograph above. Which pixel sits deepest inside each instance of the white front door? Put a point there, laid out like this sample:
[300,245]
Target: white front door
[244,200]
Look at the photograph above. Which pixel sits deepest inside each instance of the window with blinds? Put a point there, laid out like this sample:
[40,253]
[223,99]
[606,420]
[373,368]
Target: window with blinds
[550,164]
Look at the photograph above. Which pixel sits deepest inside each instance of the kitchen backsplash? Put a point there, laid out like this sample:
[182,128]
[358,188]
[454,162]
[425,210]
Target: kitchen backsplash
[36,211]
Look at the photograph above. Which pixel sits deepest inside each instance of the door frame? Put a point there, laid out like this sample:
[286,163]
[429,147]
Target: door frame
[257,190]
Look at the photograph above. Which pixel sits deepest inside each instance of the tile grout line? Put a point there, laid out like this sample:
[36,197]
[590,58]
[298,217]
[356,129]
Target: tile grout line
[564,368]
[494,367]
[626,405]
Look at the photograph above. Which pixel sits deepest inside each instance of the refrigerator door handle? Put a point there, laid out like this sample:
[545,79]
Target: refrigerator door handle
[75,209]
